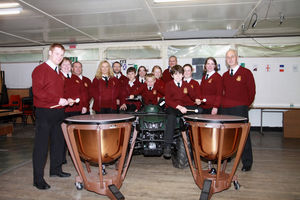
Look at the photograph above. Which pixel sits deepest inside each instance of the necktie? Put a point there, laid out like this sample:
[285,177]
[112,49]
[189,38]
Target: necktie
[150,88]
[231,72]
[178,84]
[206,77]
[56,69]
[142,81]
[106,80]
[68,76]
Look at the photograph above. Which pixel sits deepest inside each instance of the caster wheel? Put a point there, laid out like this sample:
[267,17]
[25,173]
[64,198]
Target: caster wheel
[236,185]
[79,185]
[205,190]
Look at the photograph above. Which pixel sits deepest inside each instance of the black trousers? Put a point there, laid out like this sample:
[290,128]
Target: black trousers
[48,126]
[172,114]
[68,114]
[242,111]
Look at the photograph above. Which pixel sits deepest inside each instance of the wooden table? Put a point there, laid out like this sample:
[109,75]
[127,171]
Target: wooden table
[288,115]
[7,128]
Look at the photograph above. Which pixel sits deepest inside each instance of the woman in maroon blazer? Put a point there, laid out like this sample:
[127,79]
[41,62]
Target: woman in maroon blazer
[157,71]
[105,89]
[211,87]
[187,77]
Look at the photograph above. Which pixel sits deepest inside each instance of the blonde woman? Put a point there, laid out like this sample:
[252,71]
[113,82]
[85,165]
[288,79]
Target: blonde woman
[105,89]
[157,71]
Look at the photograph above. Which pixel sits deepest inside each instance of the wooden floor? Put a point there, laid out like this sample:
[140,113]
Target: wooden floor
[275,174]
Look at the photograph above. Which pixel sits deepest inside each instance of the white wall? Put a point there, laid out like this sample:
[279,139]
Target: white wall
[274,88]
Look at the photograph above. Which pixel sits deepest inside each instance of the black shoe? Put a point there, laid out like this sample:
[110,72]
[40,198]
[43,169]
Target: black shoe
[41,185]
[167,151]
[246,168]
[60,174]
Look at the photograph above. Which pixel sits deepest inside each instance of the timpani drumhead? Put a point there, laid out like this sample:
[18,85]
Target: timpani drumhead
[216,118]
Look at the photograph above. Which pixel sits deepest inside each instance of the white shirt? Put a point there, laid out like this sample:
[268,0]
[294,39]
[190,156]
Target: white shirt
[180,83]
[52,65]
[66,74]
[210,74]
[140,79]
[80,76]
[117,75]
[104,78]
[234,69]
[187,80]
[131,83]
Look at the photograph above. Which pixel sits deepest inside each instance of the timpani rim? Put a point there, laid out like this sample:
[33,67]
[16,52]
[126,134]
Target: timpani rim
[221,119]
[100,119]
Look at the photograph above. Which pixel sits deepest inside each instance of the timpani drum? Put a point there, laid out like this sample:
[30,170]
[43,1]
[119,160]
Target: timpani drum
[100,140]
[215,138]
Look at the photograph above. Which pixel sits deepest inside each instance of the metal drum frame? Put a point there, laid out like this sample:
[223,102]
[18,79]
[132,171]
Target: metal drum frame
[105,184]
[220,181]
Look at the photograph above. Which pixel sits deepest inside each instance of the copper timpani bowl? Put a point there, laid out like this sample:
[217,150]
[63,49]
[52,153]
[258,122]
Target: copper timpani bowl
[111,140]
[208,139]
[100,139]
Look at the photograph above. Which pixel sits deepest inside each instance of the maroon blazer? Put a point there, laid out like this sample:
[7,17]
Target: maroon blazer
[178,96]
[161,84]
[211,90]
[166,76]
[239,89]
[77,88]
[105,95]
[149,96]
[195,86]
[47,86]
[127,91]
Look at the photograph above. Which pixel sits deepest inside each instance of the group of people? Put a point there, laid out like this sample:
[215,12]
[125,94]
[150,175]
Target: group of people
[58,81]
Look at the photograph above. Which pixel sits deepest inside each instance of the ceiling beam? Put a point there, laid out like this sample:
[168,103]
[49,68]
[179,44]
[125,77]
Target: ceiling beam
[60,21]
[23,38]
[154,19]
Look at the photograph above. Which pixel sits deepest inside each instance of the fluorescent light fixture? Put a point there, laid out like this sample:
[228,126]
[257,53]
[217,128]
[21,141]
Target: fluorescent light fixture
[10,11]
[10,8]
[9,5]
[170,1]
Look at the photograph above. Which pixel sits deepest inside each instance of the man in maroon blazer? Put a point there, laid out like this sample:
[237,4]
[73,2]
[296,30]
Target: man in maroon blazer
[48,90]
[77,87]
[238,95]
[166,77]
[123,80]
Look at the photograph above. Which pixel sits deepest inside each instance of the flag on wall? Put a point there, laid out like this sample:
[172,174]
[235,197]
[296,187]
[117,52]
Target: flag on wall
[268,68]
[124,65]
[281,68]
[255,68]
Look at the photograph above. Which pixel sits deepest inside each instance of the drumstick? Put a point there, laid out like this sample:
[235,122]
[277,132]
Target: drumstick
[74,101]
[203,100]
[196,110]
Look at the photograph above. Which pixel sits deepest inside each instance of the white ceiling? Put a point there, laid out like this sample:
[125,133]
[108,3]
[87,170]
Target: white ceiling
[84,21]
